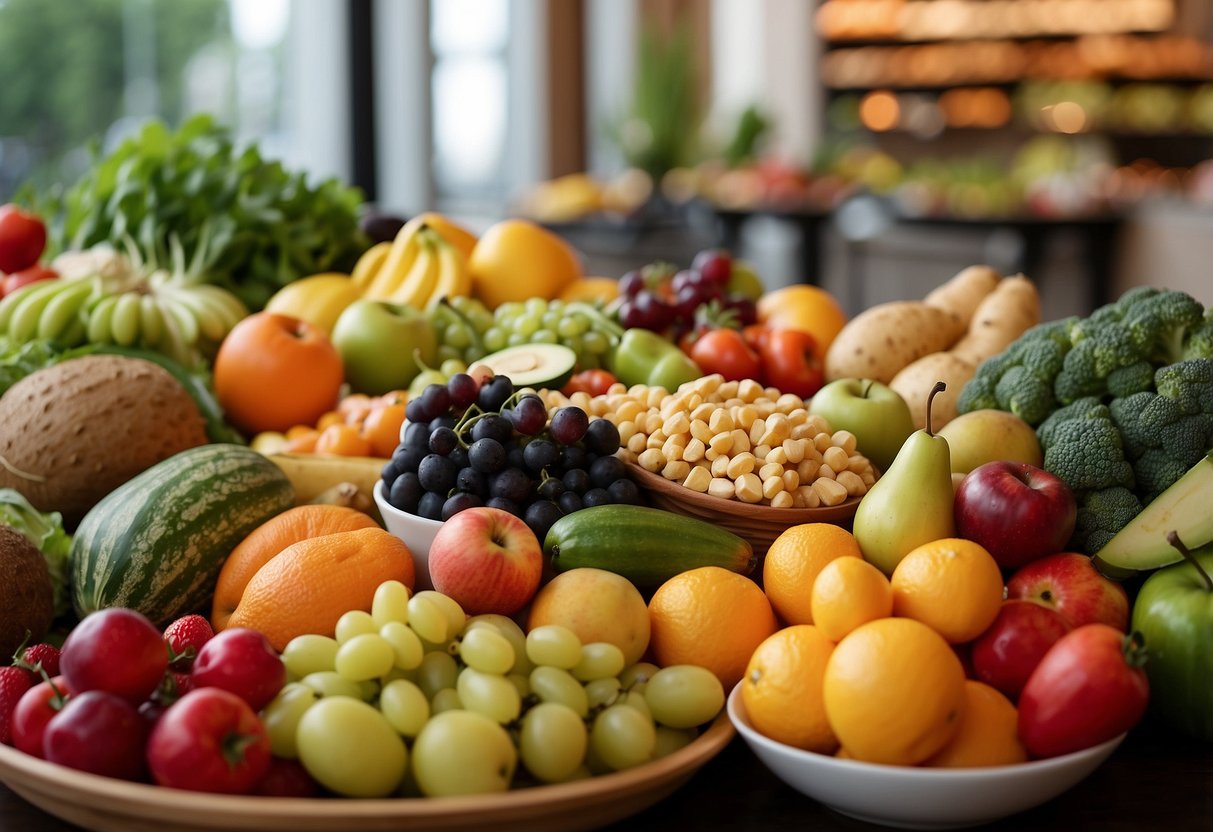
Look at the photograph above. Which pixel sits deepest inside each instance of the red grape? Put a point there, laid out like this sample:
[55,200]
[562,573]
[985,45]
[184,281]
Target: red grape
[716,265]
[569,425]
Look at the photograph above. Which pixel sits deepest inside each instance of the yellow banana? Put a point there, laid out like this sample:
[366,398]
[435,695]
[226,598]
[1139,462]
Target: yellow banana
[396,267]
[454,279]
[369,264]
[417,287]
[313,474]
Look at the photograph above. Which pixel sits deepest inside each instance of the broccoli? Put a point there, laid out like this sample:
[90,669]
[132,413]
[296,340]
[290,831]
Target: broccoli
[1020,379]
[1083,447]
[1101,514]
[1198,342]
[1135,378]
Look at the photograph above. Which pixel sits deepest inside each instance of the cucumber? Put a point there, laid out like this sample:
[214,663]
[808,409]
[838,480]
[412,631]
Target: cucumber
[648,546]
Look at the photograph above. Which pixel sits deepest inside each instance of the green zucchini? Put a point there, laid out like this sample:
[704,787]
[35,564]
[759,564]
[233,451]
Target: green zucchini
[156,543]
[648,546]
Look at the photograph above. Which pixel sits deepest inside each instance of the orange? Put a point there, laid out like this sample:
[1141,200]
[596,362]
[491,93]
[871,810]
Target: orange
[517,259]
[270,538]
[894,692]
[382,428]
[794,561]
[849,592]
[953,586]
[710,617]
[329,419]
[605,289]
[596,605]
[988,733]
[303,442]
[342,440]
[782,689]
[807,308]
[307,586]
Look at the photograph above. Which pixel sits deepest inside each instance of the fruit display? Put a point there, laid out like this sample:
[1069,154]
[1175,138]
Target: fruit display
[418,269]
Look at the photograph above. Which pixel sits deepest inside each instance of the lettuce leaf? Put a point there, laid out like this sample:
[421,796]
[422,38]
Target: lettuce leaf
[45,530]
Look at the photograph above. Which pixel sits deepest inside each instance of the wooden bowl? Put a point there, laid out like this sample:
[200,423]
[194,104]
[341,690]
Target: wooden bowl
[758,524]
[107,805]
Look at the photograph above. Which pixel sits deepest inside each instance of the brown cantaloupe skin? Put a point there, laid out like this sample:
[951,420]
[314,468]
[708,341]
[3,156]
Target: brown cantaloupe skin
[26,595]
[73,432]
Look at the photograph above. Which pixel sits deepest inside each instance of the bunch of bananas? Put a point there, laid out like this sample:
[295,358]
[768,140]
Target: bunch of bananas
[419,268]
[123,303]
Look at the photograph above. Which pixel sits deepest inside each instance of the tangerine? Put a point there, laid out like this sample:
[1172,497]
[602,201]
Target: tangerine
[953,586]
[782,689]
[988,733]
[793,562]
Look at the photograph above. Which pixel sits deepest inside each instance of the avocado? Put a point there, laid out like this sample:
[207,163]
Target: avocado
[532,365]
[26,594]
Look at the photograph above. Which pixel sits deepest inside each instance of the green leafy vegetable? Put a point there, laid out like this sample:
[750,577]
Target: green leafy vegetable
[19,360]
[44,530]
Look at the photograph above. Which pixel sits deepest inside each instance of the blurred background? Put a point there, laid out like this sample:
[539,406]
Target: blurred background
[874,147]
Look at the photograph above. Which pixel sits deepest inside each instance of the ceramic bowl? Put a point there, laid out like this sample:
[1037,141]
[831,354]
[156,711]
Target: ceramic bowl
[416,532]
[919,798]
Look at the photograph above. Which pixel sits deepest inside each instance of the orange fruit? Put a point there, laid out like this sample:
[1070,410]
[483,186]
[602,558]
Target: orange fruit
[329,419]
[342,440]
[893,691]
[988,733]
[710,617]
[596,605]
[782,687]
[953,586]
[270,538]
[849,592]
[807,308]
[517,259]
[303,442]
[307,586]
[382,428]
[794,561]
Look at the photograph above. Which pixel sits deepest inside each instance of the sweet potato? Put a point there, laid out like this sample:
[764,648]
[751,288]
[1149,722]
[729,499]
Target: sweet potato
[964,293]
[879,342]
[1002,316]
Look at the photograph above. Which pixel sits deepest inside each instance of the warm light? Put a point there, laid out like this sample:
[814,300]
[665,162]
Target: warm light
[879,111]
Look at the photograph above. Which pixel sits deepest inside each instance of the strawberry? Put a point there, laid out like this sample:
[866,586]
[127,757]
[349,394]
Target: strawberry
[185,638]
[184,682]
[14,682]
[44,656]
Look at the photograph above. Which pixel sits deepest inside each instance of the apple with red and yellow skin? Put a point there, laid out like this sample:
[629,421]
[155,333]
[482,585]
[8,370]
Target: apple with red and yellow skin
[486,559]
[1069,583]
[1005,655]
[1018,512]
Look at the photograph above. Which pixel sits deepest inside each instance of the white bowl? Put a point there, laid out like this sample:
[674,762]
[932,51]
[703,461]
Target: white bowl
[416,532]
[919,798]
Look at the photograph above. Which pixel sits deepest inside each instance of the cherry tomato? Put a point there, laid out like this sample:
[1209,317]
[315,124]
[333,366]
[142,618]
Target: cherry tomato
[100,733]
[725,351]
[593,382]
[37,707]
[22,239]
[209,740]
[1089,688]
[756,335]
[116,650]
[790,362]
[241,661]
[33,274]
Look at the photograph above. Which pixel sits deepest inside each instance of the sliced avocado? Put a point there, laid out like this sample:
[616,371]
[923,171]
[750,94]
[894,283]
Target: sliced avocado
[1182,508]
[533,365]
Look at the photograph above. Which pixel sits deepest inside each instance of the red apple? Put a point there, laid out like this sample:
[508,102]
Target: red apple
[486,559]
[1005,655]
[1018,512]
[1069,583]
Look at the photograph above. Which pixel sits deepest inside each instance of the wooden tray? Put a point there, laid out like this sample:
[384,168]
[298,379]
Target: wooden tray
[107,805]
[758,524]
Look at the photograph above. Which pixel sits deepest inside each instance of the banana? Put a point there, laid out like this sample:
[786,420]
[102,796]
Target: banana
[124,327]
[417,286]
[151,321]
[453,276]
[100,316]
[76,332]
[312,475]
[173,344]
[399,263]
[230,308]
[62,309]
[181,320]
[22,324]
[369,264]
[209,321]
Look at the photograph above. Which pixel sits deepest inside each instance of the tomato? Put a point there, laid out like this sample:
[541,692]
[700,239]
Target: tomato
[33,274]
[100,733]
[790,362]
[209,741]
[724,351]
[756,335]
[593,382]
[1088,688]
[37,707]
[22,239]
[116,650]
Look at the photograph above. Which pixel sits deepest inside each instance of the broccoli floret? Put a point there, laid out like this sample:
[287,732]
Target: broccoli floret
[1189,383]
[978,394]
[1083,447]
[1025,395]
[1101,514]
[1155,471]
[1136,378]
[1198,343]
[1020,379]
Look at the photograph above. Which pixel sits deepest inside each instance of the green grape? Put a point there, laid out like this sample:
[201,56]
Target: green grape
[456,336]
[461,302]
[536,306]
[637,674]
[599,660]
[331,683]
[427,619]
[486,650]
[527,325]
[281,717]
[550,319]
[473,354]
[552,742]
[309,654]
[437,670]
[446,699]
[448,353]
[544,336]
[623,737]
[684,695]
[495,338]
[365,657]
[553,645]
[351,749]
[575,324]
[574,343]
[463,752]
[670,740]
[406,644]
[551,684]
[391,603]
[404,705]
[522,682]
[517,339]
[634,700]
[369,689]
[355,623]
[602,692]
[454,613]
[510,310]
[452,365]
[489,694]
[397,673]
[509,628]
[596,342]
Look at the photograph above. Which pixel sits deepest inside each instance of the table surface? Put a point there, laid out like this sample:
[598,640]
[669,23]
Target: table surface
[1155,780]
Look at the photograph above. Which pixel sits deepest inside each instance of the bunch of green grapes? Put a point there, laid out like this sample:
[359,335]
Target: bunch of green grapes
[414,698]
[540,321]
[460,324]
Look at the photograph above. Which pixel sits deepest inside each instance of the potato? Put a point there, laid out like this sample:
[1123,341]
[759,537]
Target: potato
[73,432]
[964,293]
[879,342]
[1003,315]
[914,384]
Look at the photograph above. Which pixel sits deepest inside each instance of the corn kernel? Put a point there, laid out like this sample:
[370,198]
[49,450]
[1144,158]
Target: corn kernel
[703,412]
[727,390]
[777,454]
[772,486]
[770,469]
[835,457]
[858,463]
[830,492]
[721,443]
[760,452]
[757,429]
[742,463]
[693,452]
[794,450]
[651,460]
[809,496]
[743,417]
[806,469]
[852,483]
[782,500]
[701,431]
[676,469]
[710,454]
[722,487]
[638,442]
[629,410]
[697,479]
[720,466]
[777,430]
[845,440]
[791,479]
[748,390]
[748,488]
[741,441]
[789,402]
[673,447]
[721,421]
[825,472]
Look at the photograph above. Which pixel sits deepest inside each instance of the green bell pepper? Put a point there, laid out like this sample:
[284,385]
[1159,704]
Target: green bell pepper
[641,356]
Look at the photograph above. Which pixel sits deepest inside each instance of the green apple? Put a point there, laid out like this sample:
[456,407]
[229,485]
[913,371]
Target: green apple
[879,418]
[1174,614]
[982,436]
[380,344]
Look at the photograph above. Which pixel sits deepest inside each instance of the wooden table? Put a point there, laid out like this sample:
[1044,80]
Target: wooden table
[1155,781]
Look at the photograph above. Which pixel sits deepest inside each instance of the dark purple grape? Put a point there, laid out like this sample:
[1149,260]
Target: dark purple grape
[714,264]
[458,502]
[746,309]
[443,441]
[624,492]
[487,455]
[462,389]
[595,497]
[576,480]
[551,488]
[683,280]
[492,426]
[472,481]
[529,416]
[511,484]
[503,504]
[605,470]
[446,421]
[437,473]
[709,292]
[601,437]
[572,457]
[631,283]
[540,515]
[539,454]
[569,502]
[459,456]
[685,303]
[409,458]
[437,399]
[430,505]
[515,456]
[416,435]
[655,314]
[569,425]
[405,491]
[493,393]
[630,315]
[390,470]
[416,411]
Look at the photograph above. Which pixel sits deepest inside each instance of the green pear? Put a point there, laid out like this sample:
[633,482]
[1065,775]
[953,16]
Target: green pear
[912,503]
